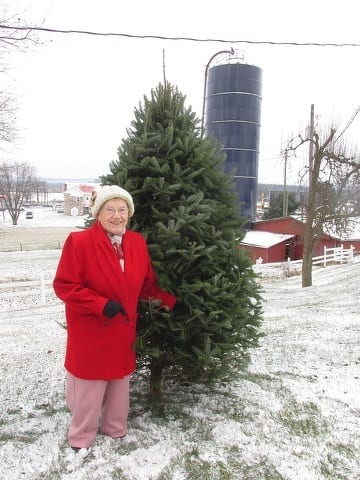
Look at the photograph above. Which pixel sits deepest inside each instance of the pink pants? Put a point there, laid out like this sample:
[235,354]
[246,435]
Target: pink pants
[92,400]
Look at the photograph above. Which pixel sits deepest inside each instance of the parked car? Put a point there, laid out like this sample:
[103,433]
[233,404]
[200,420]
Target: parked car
[29,215]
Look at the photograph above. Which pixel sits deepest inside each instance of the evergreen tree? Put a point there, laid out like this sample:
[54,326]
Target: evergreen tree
[185,205]
[277,207]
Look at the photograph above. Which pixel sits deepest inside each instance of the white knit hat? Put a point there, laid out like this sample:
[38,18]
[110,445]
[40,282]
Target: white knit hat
[108,192]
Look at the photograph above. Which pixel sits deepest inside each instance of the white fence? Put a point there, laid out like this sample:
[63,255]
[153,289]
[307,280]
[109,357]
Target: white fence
[331,255]
[38,287]
[291,267]
[41,287]
[336,254]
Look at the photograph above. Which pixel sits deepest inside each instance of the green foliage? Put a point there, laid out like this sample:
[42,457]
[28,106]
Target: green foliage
[88,221]
[186,207]
[277,207]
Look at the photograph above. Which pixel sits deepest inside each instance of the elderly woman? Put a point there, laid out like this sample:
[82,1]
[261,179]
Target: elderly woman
[102,273]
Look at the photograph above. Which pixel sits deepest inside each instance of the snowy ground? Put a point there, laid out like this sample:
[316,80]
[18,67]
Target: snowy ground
[294,414]
[43,217]
[47,230]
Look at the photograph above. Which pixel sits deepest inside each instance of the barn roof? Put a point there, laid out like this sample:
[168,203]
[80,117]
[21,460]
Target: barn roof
[264,239]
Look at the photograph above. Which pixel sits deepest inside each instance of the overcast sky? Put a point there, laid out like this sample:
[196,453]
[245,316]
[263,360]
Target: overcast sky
[77,93]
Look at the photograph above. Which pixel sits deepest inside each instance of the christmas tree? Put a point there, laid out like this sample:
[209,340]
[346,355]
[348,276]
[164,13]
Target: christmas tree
[186,208]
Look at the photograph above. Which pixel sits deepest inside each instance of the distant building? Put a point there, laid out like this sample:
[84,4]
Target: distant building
[268,247]
[77,198]
[279,239]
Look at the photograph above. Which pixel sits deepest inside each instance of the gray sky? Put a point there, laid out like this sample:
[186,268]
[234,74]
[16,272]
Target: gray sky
[77,93]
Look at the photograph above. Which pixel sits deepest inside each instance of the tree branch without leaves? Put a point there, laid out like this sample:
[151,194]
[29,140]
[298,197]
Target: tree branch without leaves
[333,178]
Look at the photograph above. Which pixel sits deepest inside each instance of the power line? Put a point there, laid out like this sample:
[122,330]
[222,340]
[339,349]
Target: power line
[190,39]
[349,123]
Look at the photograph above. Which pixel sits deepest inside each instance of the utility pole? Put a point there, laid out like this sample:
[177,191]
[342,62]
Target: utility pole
[285,193]
[164,74]
[311,143]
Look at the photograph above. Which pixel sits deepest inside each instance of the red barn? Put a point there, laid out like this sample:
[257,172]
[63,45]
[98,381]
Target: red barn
[268,247]
[294,228]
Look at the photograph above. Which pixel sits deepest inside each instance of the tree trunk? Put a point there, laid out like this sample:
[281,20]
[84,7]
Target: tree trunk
[156,381]
[310,219]
[307,261]
[308,237]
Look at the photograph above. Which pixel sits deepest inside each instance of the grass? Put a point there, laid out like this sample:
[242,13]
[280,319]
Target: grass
[303,419]
[194,418]
[193,467]
[21,438]
[258,426]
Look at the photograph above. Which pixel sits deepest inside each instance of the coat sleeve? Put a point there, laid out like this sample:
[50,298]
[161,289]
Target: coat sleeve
[69,284]
[150,288]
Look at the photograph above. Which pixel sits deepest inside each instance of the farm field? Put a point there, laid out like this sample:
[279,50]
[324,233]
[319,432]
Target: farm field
[48,229]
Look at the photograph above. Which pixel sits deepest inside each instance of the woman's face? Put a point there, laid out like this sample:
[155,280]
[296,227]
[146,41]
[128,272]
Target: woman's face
[114,216]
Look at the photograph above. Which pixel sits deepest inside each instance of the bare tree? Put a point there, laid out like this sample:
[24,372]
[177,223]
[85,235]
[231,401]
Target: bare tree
[17,183]
[333,174]
[40,192]
[13,31]
[13,36]
[7,117]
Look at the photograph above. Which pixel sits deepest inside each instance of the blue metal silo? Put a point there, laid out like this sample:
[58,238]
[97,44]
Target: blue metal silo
[233,112]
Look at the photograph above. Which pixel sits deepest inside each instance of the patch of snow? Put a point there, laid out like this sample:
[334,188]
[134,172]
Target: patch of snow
[293,412]
[262,239]
[43,217]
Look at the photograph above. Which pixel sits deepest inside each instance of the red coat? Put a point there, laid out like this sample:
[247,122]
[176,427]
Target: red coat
[88,275]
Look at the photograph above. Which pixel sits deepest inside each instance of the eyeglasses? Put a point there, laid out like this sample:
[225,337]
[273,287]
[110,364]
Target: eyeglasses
[111,211]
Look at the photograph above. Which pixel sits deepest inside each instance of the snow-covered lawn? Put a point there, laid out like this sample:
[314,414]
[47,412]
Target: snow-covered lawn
[293,414]
[42,217]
